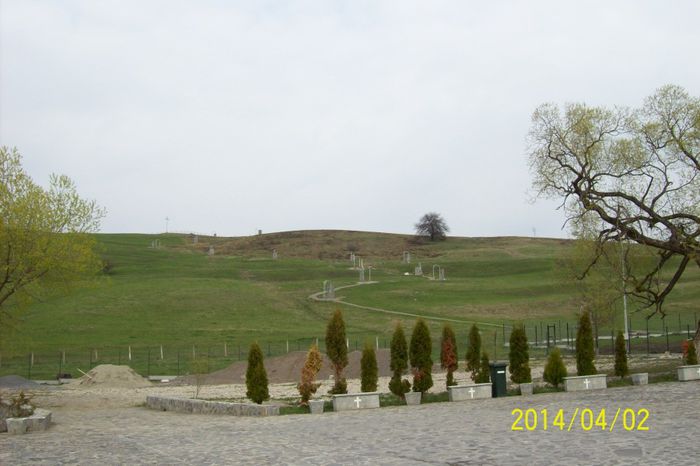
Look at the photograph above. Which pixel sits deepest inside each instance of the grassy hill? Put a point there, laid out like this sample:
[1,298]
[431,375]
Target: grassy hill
[180,297]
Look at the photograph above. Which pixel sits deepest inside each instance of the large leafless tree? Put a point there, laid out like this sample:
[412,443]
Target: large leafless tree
[433,225]
[631,174]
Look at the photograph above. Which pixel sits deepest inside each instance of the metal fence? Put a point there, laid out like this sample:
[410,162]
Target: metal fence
[176,360]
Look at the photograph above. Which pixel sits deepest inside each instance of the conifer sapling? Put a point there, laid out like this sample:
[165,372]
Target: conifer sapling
[621,368]
[369,373]
[420,356]
[448,354]
[399,363]
[256,376]
[473,352]
[585,351]
[554,369]
[312,366]
[337,351]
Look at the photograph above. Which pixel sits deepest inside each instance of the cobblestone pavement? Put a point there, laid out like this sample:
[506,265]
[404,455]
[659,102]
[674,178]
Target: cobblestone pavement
[471,432]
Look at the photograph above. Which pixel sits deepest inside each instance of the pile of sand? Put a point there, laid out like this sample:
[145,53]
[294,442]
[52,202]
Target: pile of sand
[110,375]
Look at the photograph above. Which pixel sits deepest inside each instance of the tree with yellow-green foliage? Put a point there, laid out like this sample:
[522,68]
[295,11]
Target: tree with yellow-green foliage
[45,245]
[632,176]
[312,366]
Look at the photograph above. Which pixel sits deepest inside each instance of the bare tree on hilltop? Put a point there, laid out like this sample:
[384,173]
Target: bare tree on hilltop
[432,224]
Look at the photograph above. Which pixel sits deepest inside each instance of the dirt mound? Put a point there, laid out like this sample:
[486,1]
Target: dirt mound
[17,382]
[110,375]
[287,369]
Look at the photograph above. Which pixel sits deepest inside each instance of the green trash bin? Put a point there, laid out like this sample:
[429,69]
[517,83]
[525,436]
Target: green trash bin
[498,378]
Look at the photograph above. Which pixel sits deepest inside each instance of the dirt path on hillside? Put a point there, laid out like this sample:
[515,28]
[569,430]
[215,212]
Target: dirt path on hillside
[340,300]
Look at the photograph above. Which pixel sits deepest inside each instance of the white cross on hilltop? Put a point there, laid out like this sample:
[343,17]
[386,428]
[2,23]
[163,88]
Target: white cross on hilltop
[471,392]
[357,401]
[587,382]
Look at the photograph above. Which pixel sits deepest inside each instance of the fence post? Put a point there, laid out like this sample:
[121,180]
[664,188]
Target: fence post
[612,341]
[629,340]
[560,336]
[537,343]
[60,366]
[495,350]
[668,348]
[647,337]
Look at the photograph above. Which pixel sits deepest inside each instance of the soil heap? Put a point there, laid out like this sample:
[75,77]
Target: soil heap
[110,375]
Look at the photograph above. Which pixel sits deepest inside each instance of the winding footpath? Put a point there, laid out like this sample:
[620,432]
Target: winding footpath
[318,297]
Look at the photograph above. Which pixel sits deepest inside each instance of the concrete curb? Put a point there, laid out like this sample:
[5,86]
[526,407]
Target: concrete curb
[192,406]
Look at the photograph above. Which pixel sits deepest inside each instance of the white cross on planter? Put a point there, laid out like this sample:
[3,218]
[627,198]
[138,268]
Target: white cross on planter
[357,401]
[698,370]
[587,382]
[471,392]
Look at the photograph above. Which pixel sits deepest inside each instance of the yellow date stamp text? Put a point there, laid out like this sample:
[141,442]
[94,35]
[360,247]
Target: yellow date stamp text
[585,419]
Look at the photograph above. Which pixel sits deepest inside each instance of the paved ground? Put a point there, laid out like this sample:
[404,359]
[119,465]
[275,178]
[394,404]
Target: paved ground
[477,432]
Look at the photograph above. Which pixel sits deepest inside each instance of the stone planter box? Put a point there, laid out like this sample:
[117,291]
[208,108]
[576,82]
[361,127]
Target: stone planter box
[469,392]
[526,389]
[640,379]
[355,401]
[192,406]
[686,373]
[413,398]
[316,406]
[39,421]
[585,382]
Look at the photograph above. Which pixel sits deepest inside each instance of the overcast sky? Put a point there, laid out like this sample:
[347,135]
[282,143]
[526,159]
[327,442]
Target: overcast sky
[230,117]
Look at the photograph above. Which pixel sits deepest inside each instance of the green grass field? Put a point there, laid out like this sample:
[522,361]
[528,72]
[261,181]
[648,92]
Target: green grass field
[185,300]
